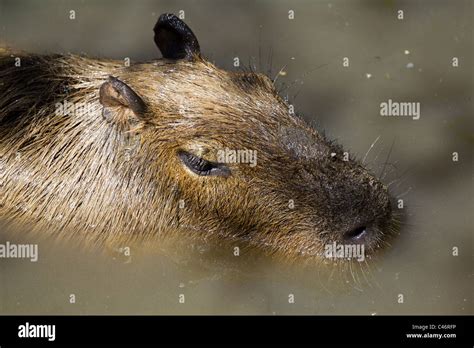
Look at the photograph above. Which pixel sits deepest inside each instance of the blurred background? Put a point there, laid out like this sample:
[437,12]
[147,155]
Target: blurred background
[408,60]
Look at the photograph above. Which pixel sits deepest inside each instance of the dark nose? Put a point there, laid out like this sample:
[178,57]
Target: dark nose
[358,235]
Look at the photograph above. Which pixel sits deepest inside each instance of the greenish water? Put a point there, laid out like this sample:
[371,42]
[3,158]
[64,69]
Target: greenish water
[405,60]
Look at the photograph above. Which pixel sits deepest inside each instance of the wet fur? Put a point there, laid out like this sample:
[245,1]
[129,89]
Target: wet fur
[105,182]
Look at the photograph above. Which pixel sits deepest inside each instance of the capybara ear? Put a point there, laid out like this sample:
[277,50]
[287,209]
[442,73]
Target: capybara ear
[120,102]
[175,39]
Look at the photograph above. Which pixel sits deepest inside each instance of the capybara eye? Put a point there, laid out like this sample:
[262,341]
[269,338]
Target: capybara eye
[201,166]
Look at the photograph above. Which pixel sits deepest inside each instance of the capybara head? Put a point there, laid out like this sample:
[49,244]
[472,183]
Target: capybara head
[177,146]
[235,161]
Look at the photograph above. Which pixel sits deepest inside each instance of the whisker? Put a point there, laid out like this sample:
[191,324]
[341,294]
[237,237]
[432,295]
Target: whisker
[378,154]
[364,273]
[404,193]
[278,73]
[304,75]
[388,157]
[270,61]
[370,148]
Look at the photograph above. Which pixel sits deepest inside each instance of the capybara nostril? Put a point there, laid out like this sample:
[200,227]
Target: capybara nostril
[357,235]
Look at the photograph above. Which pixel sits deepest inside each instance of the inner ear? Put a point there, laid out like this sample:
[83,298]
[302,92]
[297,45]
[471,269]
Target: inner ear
[120,102]
[175,39]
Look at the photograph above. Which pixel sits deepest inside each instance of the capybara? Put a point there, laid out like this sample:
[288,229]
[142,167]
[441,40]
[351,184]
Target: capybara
[100,151]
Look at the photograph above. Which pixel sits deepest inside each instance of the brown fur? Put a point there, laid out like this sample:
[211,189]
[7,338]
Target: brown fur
[81,176]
